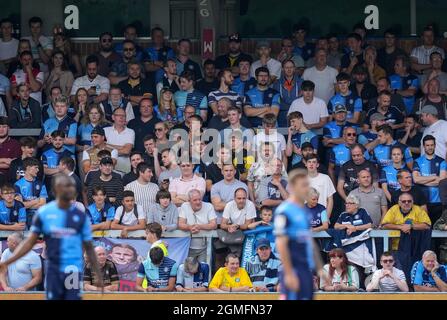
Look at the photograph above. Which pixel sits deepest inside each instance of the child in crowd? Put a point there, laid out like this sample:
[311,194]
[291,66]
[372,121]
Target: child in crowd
[129,216]
[266,214]
[153,236]
[100,212]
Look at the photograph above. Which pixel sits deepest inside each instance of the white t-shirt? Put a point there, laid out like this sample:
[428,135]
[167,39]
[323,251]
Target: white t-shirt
[19,272]
[387,284]
[422,54]
[8,49]
[120,139]
[238,216]
[203,216]
[129,218]
[312,113]
[273,65]
[101,83]
[323,184]
[278,140]
[324,81]
[439,131]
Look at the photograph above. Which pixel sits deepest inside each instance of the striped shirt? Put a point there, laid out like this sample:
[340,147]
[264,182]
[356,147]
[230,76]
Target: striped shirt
[158,276]
[264,273]
[144,194]
[114,188]
[215,96]
[423,54]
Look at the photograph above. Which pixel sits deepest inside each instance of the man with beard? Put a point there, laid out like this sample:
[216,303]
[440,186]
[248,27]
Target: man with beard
[234,55]
[393,116]
[106,56]
[135,88]
[226,80]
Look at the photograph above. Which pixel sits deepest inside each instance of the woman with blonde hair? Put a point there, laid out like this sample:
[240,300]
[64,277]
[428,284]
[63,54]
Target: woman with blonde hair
[166,109]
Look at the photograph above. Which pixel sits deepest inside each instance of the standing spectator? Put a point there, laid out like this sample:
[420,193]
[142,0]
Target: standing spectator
[135,87]
[30,190]
[25,274]
[428,171]
[41,46]
[302,47]
[384,84]
[263,51]
[144,190]
[410,135]
[314,110]
[427,275]
[209,82]
[106,56]
[273,189]
[60,76]
[189,96]
[192,276]
[386,56]
[354,57]
[96,85]
[158,53]
[244,81]
[288,86]
[109,274]
[8,44]
[28,74]
[436,127]
[322,183]
[231,278]
[371,198]
[362,87]
[298,136]
[121,138]
[111,182]
[262,99]
[382,153]
[179,187]
[234,55]
[420,56]
[263,268]
[12,212]
[116,101]
[184,61]
[389,278]
[287,54]
[388,174]
[405,180]
[347,98]
[340,275]
[90,159]
[100,212]
[159,271]
[129,216]
[322,75]
[163,212]
[144,124]
[9,147]
[222,120]
[404,83]
[194,216]
[321,43]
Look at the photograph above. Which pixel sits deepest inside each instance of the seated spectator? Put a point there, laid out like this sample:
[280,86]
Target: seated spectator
[192,276]
[92,117]
[340,275]
[264,267]
[393,116]
[136,157]
[362,87]
[111,181]
[271,134]
[159,271]
[163,211]
[24,274]
[109,274]
[28,146]
[106,55]
[375,71]
[410,135]
[231,278]
[115,101]
[119,69]
[354,219]
[59,76]
[166,110]
[405,180]
[388,174]
[404,83]
[179,187]
[389,278]
[226,79]
[266,215]
[30,190]
[25,112]
[244,82]
[194,216]
[143,189]
[29,75]
[427,275]
[355,55]
[170,79]
[9,44]
[298,135]
[143,124]
[100,212]
[333,131]
[135,87]
[368,137]
[387,55]
[436,72]
[188,95]
[347,98]
[153,236]
[62,43]
[129,216]
[382,153]
[273,189]
[319,218]
[12,212]
[90,159]
[169,168]
[96,85]
[405,217]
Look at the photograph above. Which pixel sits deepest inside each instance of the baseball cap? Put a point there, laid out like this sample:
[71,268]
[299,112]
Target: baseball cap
[99,131]
[263,44]
[377,117]
[106,160]
[307,145]
[429,109]
[166,88]
[263,242]
[340,108]
[234,37]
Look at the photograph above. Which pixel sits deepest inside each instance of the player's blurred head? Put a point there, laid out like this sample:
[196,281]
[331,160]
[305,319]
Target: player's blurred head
[64,187]
[299,184]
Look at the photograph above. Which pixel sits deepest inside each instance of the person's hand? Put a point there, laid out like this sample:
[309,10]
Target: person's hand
[445,228]
[338,287]
[350,229]
[8,289]
[261,289]
[291,281]
[224,288]
[435,268]
[405,228]
[276,182]
[297,150]
[150,289]
[124,233]
[155,151]
[112,199]
[291,131]
[385,273]
[265,223]
[354,61]
[47,138]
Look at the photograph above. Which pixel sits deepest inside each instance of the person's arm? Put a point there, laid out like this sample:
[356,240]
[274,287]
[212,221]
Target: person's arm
[251,192]
[36,279]
[331,142]
[34,84]
[329,205]
[418,288]
[271,203]
[89,287]
[178,199]
[441,285]
[50,171]
[182,225]
[106,225]
[224,225]
[100,98]
[139,285]
[4,281]
[341,189]
[115,79]
[255,112]
[420,226]
[246,224]
[331,172]
[371,145]
[25,247]
[386,191]
[218,204]
[169,288]
[19,226]
[430,181]
[418,67]
[400,283]
[323,121]
[122,150]
[339,226]
[384,210]
[212,225]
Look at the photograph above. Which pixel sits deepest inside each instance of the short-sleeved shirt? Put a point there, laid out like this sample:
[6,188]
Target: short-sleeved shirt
[324,81]
[422,277]
[158,276]
[351,102]
[191,66]
[404,83]
[109,274]
[349,174]
[14,214]
[65,232]
[20,76]
[298,139]
[198,280]
[8,49]
[388,175]
[129,218]
[102,84]
[106,213]
[392,117]
[332,130]
[276,139]
[215,96]
[20,271]
[387,284]
[66,124]
[273,65]
[323,184]
[382,154]
[318,215]
[268,191]
[182,187]
[372,202]
[361,217]
[312,112]
[419,197]
[257,98]
[415,216]
[193,98]
[223,278]
[226,191]
[239,216]
[430,167]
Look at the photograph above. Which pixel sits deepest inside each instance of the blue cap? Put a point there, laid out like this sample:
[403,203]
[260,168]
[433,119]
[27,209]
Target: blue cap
[263,242]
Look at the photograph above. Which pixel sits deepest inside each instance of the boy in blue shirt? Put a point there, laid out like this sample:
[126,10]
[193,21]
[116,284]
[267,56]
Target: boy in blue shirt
[298,135]
[12,212]
[31,191]
[347,98]
[101,214]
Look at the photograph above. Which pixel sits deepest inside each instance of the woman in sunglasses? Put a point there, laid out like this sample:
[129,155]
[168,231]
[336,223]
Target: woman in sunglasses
[341,276]
[389,278]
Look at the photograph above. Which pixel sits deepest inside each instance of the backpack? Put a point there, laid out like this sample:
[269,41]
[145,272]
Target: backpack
[135,212]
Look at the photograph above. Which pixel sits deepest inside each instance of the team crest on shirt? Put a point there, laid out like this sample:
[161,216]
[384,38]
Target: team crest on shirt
[193,98]
[356,216]
[166,269]
[76,218]
[37,187]
[351,101]
[318,214]
[191,67]
[237,280]
[15,213]
[270,95]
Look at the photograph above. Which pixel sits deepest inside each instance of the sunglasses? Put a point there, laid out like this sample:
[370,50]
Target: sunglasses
[351,134]
[387,260]
[351,203]
[158,129]
[128,49]
[406,201]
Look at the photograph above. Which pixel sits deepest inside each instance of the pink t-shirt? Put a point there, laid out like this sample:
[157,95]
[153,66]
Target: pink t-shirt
[182,187]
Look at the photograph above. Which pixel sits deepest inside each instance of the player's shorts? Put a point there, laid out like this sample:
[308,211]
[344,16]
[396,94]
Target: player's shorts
[306,290]
[62,286]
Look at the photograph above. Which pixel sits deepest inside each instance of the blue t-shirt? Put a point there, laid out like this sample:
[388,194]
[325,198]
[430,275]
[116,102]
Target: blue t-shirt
[67,125]
[30,190]
[367,137]
[64,233]
[403,83]
[388,175]
[351,102]
[51,157]
[427,168]
[197,280]
[14,214]
[333,130]
[318,215]
[306,52]
[422,277]
[292,221]
[382,154]
[162,54]
[158,276]
[107,213]
[85,134]
[185,98]
[298,139]
[242,87]
[256,98]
